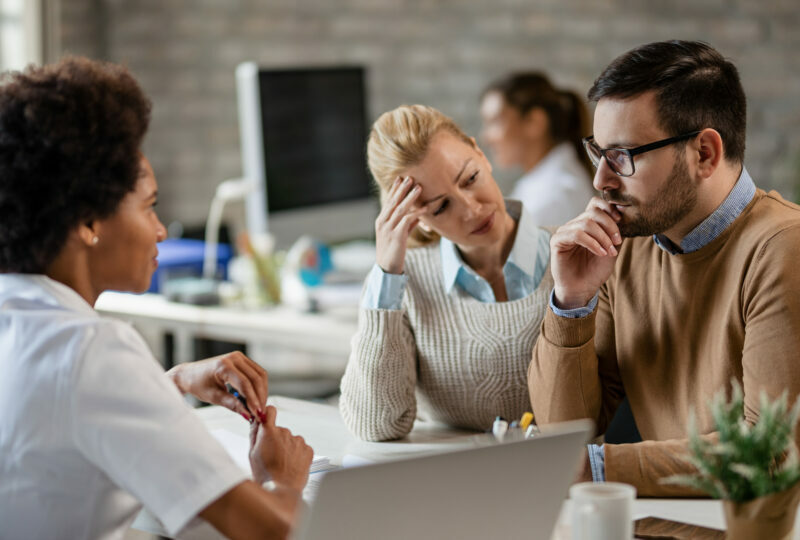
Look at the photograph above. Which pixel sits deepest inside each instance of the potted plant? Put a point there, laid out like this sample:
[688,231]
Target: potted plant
[753,468]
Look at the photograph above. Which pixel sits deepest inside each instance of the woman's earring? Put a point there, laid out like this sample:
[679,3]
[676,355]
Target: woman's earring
[95,240]
[424,228]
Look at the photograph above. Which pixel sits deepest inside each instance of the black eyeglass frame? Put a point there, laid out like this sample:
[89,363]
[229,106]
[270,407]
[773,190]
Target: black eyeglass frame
[631,152]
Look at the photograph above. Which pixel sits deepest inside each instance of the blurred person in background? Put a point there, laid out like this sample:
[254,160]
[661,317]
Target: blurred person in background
[530,124]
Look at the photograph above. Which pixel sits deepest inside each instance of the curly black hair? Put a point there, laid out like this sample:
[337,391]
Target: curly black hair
[70,138]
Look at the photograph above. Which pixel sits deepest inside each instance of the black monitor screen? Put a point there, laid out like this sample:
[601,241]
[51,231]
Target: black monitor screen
[314,130]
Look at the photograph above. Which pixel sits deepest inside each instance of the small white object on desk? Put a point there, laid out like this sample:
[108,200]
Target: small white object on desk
[499,428]
[602,510]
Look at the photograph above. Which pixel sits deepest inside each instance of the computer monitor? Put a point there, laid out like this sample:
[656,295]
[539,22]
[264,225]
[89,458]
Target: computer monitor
[303,139]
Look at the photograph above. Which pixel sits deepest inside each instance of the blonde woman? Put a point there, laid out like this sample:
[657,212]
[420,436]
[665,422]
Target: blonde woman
[452,321]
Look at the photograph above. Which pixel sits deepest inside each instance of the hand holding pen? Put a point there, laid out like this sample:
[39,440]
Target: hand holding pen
[276,454]
[208,380]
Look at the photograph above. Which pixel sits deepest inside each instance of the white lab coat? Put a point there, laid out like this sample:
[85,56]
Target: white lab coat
[557,189]
[90,427]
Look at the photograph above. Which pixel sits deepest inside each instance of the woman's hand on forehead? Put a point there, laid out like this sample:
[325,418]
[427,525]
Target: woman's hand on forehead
[398,217]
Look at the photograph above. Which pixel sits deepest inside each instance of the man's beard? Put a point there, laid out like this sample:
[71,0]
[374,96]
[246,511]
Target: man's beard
[673,201]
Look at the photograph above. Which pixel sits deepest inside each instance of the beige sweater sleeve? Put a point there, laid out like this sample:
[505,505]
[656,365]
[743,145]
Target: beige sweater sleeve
[568,381]
[378,401]
[566,378]
[645,464]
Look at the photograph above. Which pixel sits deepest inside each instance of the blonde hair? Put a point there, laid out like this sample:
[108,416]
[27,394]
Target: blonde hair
[400,139]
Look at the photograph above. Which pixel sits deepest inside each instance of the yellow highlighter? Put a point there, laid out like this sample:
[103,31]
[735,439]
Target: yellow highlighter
[527,418]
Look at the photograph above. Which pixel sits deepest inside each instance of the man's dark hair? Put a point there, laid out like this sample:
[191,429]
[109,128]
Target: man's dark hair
[70,138]
[695,86]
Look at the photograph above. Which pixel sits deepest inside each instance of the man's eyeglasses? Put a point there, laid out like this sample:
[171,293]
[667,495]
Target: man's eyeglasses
[621,159]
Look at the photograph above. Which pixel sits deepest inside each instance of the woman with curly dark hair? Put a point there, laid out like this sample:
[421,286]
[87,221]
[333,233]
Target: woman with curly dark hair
[91,427]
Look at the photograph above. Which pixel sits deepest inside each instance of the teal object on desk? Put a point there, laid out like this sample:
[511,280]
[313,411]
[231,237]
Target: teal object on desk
[315,261]
[183,257]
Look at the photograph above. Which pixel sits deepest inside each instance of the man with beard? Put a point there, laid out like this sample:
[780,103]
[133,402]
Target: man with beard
[680,278]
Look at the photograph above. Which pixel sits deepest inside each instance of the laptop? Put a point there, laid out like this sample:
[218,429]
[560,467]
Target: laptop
[512,489]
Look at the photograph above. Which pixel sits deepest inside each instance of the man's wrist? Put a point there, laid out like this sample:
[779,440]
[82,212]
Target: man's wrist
[577,313]
[597,462]
[565,301]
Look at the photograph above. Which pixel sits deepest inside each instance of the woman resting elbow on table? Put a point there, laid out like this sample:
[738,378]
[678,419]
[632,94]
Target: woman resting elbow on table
[455,318]
[91,427]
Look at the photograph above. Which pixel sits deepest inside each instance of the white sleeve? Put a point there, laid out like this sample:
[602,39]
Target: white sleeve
[130,421]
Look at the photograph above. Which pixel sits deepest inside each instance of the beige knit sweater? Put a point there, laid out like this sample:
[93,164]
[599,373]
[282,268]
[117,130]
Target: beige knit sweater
[462,360]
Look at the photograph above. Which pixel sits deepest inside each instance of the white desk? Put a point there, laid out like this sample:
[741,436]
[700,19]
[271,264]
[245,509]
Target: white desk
[282,339]
[323,429]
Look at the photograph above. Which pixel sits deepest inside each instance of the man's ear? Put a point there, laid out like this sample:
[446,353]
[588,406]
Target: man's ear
[709,151]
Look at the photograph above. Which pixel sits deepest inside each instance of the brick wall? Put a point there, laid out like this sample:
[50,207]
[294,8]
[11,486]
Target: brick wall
[437,52]
[81,29]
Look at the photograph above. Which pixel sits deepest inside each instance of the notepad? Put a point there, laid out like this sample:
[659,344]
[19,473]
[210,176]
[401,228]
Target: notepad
[238,447]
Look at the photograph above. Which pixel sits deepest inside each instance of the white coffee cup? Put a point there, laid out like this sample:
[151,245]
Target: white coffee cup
[602,511]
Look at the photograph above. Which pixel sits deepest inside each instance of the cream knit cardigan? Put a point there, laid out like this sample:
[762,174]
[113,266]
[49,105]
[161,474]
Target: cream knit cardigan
[465,361]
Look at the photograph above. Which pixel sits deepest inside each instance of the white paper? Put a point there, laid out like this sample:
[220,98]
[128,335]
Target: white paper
[238,447]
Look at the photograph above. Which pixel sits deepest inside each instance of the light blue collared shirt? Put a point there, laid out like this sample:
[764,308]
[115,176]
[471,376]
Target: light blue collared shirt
[719,220]
[699,237]
[523,271]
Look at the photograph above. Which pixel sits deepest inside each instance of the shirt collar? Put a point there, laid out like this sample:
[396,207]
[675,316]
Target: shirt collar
[719,220]
[523,253]
[40,288]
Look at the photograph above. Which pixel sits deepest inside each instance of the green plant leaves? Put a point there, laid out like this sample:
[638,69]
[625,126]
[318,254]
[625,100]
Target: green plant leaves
[747,461]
